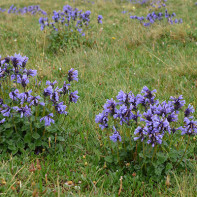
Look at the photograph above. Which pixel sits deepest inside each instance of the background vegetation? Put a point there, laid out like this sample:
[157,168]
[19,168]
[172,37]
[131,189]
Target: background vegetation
[122,55]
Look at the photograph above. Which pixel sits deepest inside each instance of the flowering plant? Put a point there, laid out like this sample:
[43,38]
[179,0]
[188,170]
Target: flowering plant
[29,116]
[67,26]
[147,131]
[33,9]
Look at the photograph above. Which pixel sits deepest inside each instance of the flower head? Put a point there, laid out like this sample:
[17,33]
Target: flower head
[72,75]
[73,97]
[48,120]
[116,136]
[102,119]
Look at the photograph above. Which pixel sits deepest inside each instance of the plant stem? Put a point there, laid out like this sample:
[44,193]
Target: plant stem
[155,150]
[183,153]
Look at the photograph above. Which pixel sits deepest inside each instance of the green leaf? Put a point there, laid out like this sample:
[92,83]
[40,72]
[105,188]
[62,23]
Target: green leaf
[161,157]
[27,138]
[36,135]
[7,125]
[168,168]
[109,159]
[159,169]
[60,138]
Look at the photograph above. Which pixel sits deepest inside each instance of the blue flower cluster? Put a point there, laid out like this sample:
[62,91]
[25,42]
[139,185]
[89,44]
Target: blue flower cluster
[13,69]
[71,18]
[152,118]
[154,17]
[158,4]
[33,9]
[2,10]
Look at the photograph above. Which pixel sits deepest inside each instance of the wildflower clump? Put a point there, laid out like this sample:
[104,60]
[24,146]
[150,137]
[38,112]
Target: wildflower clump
[149,133]
[29,115]
[33,9]
[153,17]
[67,27]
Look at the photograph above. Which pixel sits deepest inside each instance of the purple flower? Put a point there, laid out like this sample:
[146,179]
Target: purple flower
[24,80]
[135,116]
[116,136]
[24,96]
[60,108]
[178,102]
[2,121]
[1,101]
[164,109]
[14,95]
[72,75]
[48,120]
[5,110]
[172,117]
[48,91]
[102,118]
[24,111]
[65,88]
[18,60]
[51,83]
[125,98]
[54,96]
[123,114]
[189,110]
[110,107]
[100,17]
[190,127]
[155,138]
[31,72]
[161,125]
[148,94]
[34,100]
[73,97]
[141,134]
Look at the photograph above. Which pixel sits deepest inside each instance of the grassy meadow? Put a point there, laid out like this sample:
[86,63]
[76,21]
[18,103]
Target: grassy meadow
[122,55]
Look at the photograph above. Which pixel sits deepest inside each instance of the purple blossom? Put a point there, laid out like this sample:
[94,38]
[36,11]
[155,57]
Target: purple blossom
[14,95]
[161,124]
[110,107]
[54,96]
[51,83]
[60,108]
[24,96]
[24,80]
[34,100]
[65,88]
[102,119]
[123,114]
[100,17]
[6,110]
[48,120]
[73,97]
[149,94]
[1,101]
[172,117]
[125,98]
[189,110]
[48,91]
[178,102]
[116,136]
[31,72]
[141,134]
[155,138]
[24,111]
[72,75]
[190,127]
[2,121]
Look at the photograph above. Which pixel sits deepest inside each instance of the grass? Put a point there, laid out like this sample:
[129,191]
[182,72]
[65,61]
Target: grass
[125,55]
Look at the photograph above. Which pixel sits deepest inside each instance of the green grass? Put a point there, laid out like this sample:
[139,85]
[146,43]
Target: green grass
[162,57]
